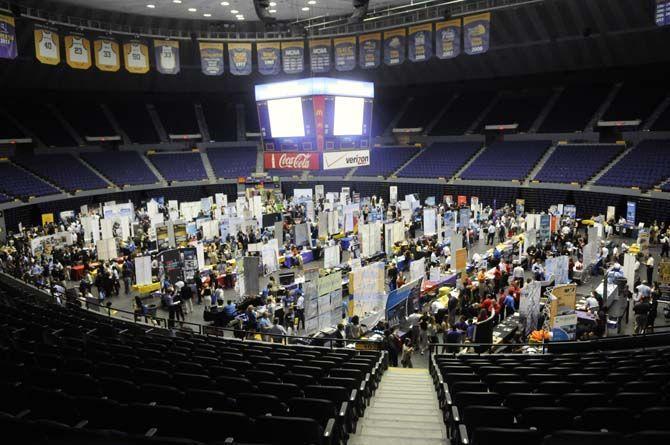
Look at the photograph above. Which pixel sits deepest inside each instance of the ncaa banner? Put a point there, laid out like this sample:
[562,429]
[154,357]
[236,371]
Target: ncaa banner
[448,39]
[319,55]
[345,53]
[136,57]
[8,48]
[77,51]
[291,160]
[394,46]
[293,56]
[345,159]
[47,44]
[211,58]
[239,58]
[420,43]
[269,58]
[663,12]
[476,30]
[167,56]
[107,54]
[369,50]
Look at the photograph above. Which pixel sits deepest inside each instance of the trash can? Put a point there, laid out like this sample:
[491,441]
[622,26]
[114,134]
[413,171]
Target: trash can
[151,310]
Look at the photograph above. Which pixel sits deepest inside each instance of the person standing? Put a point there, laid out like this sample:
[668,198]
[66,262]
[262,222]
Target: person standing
[393,276]
[300,310]
[641,311]
[407,351]
[653,308]
[650,269]
[665,245]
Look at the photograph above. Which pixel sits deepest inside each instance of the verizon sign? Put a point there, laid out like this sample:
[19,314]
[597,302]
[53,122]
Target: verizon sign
[291,160]
[345,159]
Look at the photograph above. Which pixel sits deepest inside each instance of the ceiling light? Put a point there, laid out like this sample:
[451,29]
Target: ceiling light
[192,10]
[273,3]
[151,6]
[225,3]
[311,2]
[207,14]
[305,8]
[272,11]
[176,1]
[234,11]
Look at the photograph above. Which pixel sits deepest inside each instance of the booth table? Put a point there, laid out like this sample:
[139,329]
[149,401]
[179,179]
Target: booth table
[506,328]
[77,272]
[147,288]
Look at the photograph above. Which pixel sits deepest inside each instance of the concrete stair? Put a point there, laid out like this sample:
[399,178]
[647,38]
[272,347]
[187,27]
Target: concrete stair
[208,166]
[403,411]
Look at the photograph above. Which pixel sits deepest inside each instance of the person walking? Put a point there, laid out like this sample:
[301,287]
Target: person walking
[653,308]
[641,311]
[407,351]
[665,245]
[650,269]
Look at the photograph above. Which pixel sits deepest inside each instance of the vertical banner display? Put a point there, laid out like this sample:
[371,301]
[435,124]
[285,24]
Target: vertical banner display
[319,55]
[167,56]
[77,51]
[448,39]
[345,53]
[394,46]
[211,58]
[393,194]
[107,54]
[545,228]
[293,56]
[611,213]
[269,58]
[631,206]
[369,50]
[8,47]
[136,57]
[663,12]
[47,44]
[520,206]
[420,42]
[476,30]
[239,58]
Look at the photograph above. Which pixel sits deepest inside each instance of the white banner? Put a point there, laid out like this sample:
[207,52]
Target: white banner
[429,223]
[331,256]
[143,270]
[417,269]
[393,194]
[345,159]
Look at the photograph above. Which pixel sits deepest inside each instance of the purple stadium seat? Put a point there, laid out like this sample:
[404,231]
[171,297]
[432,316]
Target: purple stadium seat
[386,160]
[505,161]
[180,166]
[233,162]
[121,167]
[644,166]
[19,183]
[440,160]
[577,163]
[63,170]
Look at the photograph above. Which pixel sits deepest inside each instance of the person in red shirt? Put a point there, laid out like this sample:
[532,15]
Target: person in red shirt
[487,303]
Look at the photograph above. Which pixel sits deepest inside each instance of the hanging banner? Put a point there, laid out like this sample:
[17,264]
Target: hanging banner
[211,58]
[77,51]
[239,58]
[8,48]
[136,57]
[345,53]
[369,50]
[448,39]
[269,58]
[47,46]
[663,12]
[420,43]
[319,55]
[293,56]
[394,46]
[107,54]
[476,33]
[167,56]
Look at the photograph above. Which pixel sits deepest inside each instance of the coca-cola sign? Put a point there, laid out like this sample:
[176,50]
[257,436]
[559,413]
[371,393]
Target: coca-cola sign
[291,160]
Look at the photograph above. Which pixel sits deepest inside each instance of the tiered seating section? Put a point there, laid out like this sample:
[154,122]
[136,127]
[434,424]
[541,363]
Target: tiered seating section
[5,198]
[21,184]
[462,113]
[134,118]
[440,160]
[177,116]
[179,166]
[506,161]
[87,118]
[101,379]
[574,108]
[39,119]
[577,163]
[568,398]
[386,160]
[421,111]
[64,170]
[646,165]
[121,167]
[233,162]
[634,101]
[517,107]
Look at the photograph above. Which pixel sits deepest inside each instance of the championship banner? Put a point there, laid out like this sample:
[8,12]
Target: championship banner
[369,47]
[167,56]
[211,58]
[47,44]
[476,33]
[319,55]
[448,39]
[8,48]
[293,56]
[77,51]
[136,57]
[663,12]
[269,58]
[239,58]
[394,46]
[345,53]
[107,54]
[291,160]
[420,44]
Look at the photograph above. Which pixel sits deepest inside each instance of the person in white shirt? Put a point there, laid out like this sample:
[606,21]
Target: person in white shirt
[643,290]
[592,304]
[518,274]
[650,269]
[300,310]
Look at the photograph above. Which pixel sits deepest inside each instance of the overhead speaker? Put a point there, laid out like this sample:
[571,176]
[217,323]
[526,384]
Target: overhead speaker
[261,7]
[360,11]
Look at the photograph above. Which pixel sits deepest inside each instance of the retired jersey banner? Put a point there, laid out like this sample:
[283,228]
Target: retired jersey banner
[476,30]
[369,50]
[319,55]
[345,53]
[77,51]
[167,56]
[663,12]
[420,43]
[211,58]
[8,48]
[269,58]
[239,58]
[394,46]
[293,56]
[47,44]
[107,54]
[448,39]
[136,57]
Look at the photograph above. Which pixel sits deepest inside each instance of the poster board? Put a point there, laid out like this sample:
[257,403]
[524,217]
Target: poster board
[143,270]
[106,249]
[332,256]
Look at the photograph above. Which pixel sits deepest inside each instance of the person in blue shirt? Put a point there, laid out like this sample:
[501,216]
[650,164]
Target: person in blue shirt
[509,304]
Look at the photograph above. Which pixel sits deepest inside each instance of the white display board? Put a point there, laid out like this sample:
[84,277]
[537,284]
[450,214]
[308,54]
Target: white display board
[417,269]
[629,270]
[393,194]
[106,228]
[333,222]
[349,210]
[106,249]
[143,270]
[319,191]
[302,195]
[429,221]
[331,256]
[270,256]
